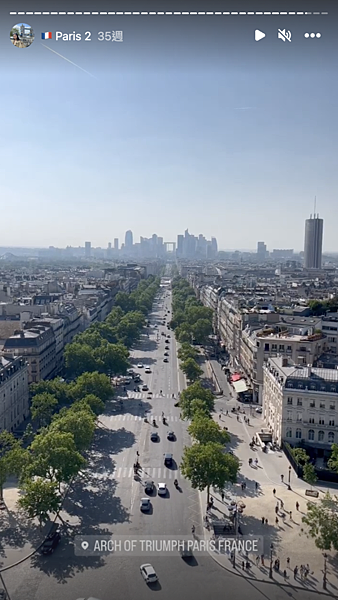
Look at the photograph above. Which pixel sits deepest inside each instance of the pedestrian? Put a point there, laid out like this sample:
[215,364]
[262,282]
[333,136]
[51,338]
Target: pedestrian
[284,573]
[288,562]
[227,412]
[266,521]
[256,485]
[295,571]
[243,565]
[263,520]
[274,491]
[297,505]
[290,513]
[220,417]
[248,421]
[262,559]
[222,496]
[276,509]
[257,560]
[281,504]
[277,520]
[282,478]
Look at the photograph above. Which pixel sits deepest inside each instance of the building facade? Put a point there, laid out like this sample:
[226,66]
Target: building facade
[14,394]
[37,346]
[313,242]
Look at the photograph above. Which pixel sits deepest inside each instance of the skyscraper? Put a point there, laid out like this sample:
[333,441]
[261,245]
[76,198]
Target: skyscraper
[128,240]
[88,249]
[261,251]
[313,242]
[116,244]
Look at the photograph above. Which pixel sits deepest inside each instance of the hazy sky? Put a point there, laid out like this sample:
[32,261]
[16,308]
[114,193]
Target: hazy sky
[229,141]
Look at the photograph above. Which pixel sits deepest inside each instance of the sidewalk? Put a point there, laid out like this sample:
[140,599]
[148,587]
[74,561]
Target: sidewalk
[288,536]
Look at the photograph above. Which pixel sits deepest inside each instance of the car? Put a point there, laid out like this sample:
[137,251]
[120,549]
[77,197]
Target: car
[140,366]
[168,335]
[144,387]
[137,379]
[168,459]
[148,573]
[149,486]
[166,354]
[170,435]
[167,341]
[162,333]
[51,540]
[130,372]
[185,550]
[154,436]
[165,360]
[145,504]
[161,489]
[166,348]
[259,410]
[147,370]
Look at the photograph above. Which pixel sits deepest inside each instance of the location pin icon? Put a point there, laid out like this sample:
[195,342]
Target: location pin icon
[84,545]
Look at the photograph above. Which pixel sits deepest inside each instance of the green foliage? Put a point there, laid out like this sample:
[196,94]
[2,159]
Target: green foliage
[309,474]
[42,408]
[322,521]
[192,393]
[91,402]
[40,498]
[190,319]
[92,383]
[333,461]
[207,465]
[79,358]
[54,457]
[12,457]
[300,456]
[80,423]
[191,369]
[187,351]
[320,307]
[204,430]
[56,387]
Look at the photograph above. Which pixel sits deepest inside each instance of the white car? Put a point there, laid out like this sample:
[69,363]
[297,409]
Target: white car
[140,366]
[161,489]
[147,370]
[259,410]
[148,573]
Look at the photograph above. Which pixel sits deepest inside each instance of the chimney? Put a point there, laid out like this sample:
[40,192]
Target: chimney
[308,369]
[285,362]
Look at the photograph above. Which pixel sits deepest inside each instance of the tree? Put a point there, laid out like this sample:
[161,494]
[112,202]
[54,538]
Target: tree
[199,408]
[11,457]
[300,456]
[79,358]
[205,430]
[195,392]
[80,423]
[208,465]
[201,330]
[191,369]
[91,402]
[92,383]
[322,520]
[28,434]
[187,351]
[112,358]
[40,498]
[42,408]
[56,387]
[333,461]
[54,457]
[309,474]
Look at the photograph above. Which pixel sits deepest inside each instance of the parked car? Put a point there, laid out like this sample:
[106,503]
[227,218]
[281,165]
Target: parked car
[168,459]
[145,504]
[259,410]
[154,436]
[51,540]
[149,486]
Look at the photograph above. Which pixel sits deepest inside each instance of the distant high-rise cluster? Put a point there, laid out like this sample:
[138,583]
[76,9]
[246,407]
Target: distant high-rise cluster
[190,246]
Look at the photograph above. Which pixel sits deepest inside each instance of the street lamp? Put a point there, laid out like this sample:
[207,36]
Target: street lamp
[289,486]
[324,572]
[236,526]
[7,596]
[270,569]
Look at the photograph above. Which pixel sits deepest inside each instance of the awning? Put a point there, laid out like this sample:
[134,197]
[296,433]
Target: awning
[240,386]
[235,377]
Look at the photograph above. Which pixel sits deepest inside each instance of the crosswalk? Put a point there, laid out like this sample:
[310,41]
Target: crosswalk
[129,417]
[140,395]
[158,473]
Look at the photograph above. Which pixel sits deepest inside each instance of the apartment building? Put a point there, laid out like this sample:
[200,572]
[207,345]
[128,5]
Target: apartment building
[37,347]
[57,325]
[14,395]
[329,326]
[300,405]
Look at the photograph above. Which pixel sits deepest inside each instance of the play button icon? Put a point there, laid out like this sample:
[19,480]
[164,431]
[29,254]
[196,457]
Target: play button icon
[259,35]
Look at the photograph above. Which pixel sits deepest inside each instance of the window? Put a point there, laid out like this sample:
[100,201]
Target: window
[299,416]
[288,432]
[299,402]
[289,402]
[311,435]
[321,436]
[330,437]
[311,419]
[281,347]
[321,404]
[289,349]
[300,386]
[321,420]
[289,415]
[266,347]
[312,404]
[331,422]
[298,434]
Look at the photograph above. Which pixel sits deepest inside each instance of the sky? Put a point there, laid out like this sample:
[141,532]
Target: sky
[182,125]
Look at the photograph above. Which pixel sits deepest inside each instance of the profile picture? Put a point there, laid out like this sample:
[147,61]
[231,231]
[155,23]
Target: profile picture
[22,35]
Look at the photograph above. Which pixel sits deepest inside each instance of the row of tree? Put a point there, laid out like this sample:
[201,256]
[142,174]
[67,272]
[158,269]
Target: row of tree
[103,347]
[191,321]
[52,453]
[206,463]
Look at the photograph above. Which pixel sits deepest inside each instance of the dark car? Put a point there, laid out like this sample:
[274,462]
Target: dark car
[154,436]
[168,459]
[166,354]
[167,341]
[166,348]
[165,360]
[149,486]
[51,540]
[171,435]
